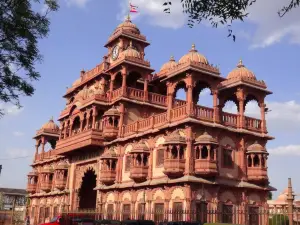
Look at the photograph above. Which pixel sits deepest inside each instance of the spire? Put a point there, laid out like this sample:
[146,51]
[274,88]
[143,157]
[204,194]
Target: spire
[240,64]
[128,18]
[51,119]
[172,58]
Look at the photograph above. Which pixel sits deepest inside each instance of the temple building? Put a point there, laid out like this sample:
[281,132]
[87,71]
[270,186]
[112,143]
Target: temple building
[126,144]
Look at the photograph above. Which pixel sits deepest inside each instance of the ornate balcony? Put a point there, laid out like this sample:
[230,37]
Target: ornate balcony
[60,184]
[139,173]
[108,162]
[46,186]
[205,167]
[174,167]
[111,123]
[107,177]
[31,188]
[110,132]
[257,174]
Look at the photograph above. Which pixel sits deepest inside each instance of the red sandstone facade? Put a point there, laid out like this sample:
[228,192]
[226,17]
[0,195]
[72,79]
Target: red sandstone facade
[125,142]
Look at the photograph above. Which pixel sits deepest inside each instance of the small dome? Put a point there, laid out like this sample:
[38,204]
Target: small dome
[62,165]
[169,65]
[76,82]
[140,147]
[109,153]
[205,138]
[50,125]
[175,138]
[128,25]
[130,51]
[33,173]
[256,147]
[241,71]
[193,56]
[112,112]
[47,169]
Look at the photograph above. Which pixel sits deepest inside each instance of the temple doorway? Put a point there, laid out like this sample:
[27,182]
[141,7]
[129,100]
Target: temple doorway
[87,194]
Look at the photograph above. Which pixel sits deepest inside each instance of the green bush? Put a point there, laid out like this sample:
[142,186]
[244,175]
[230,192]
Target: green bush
[279,220]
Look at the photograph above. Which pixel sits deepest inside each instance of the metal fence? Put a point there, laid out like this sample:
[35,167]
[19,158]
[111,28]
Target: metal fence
[250,216]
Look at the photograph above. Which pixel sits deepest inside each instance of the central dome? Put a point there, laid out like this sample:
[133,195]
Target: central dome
[128,25]
[241,71]
[130,51]
[50,125]
[169,65]
[193,56]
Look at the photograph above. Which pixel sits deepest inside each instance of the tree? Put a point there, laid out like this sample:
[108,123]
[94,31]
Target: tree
[270,195]
[221,11]
[20,29]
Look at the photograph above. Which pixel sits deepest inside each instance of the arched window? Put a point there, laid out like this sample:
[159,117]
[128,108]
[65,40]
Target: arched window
[256,161]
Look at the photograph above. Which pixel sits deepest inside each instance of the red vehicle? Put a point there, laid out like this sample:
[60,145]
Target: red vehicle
[71,220]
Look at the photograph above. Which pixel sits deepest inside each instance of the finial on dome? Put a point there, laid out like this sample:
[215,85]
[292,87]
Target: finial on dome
[193,46]
[51,119]
[127,18]
[172,58]
[240,64]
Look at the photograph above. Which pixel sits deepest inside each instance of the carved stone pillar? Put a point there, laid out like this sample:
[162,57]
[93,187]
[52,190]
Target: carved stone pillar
[241,101]
[189,100]
[150,163]
[124,76]
[36,151]
[111,87]
[216,107]
[146,81]
[263,117]
[170,92]
[94,116]
[189,160]
[43,147]
[121,120]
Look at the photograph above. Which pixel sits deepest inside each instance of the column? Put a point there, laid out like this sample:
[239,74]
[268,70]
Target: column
[170,92]
[189,159]
[241,101]
[121,120]
[150,163]
[244,161]
[124,75]
[290,201]
[36,151]
[216,107]
[189,100]
[94,116]
[263,117]
[111,87]
[146,81]
[43,147]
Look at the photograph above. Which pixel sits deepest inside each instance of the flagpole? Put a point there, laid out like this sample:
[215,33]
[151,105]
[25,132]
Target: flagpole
[128,16]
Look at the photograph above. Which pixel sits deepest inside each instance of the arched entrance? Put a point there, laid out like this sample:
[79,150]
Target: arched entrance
[87,194]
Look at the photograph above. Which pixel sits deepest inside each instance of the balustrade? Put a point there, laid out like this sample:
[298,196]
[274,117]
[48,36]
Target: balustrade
[230,119]
[206,167]
[253,124]
[203,113]
[257,174]
[46,186]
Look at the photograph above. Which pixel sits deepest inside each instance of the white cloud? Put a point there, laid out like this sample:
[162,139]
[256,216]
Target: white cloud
[18,133]
[78,3]
[272,29]
[282,115]
[10,109]
[17,152]
[285,150]
[152,10]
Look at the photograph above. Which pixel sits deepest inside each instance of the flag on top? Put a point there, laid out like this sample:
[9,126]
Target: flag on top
[133,8]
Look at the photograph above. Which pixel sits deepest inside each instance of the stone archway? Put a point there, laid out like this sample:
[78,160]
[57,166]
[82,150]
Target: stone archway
[87,194]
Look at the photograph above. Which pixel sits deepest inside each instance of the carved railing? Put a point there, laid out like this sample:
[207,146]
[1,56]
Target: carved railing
[47,154]
[178,102]
[230,119]
[203,113]
[252,123]
[135,93]
[116,94]
[157,99]
[178,113]
[159,119]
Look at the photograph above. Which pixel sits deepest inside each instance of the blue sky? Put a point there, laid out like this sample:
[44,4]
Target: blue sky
[269,46]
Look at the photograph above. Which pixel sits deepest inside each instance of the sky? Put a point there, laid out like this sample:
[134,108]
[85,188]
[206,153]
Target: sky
[268,45]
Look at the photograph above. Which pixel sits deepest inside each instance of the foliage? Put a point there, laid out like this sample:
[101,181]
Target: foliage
[221,11]
[20,29]
[270,195]
[279,220]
